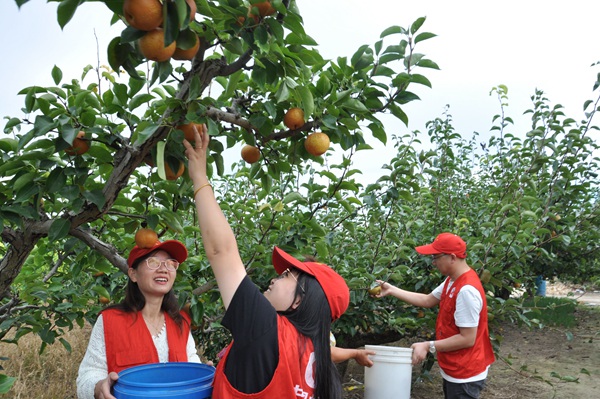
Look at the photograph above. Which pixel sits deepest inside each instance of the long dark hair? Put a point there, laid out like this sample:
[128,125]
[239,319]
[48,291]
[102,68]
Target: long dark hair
[134,300]
[312,318]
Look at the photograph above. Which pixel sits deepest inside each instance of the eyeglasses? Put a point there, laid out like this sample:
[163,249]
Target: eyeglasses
[436,257]
[287,272]
[155,263]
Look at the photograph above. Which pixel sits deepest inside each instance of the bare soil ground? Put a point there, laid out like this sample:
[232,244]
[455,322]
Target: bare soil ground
[539,358]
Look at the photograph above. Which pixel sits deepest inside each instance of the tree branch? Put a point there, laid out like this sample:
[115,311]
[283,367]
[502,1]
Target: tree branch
[106,250]
[59,262]
[237,64]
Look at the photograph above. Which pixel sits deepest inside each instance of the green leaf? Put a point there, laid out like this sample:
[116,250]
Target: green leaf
[140,99]
[294,197]
[424,36]
[66,344]
[261,37]
[195,87]
[391,31]
[56,181]
[56,75]
[378,132]
[283,94]
[417,25]
[354,105]
[59,229]
[12,122]
[529,214]
[96,197]
[65,11]
[170,22]
[183,12]
[278,206]
[316,228]
[26,193]
[30,100]
[383,71]
[115,6]
[23,180]
[160,160]
[308,102]
[232,84]
[390,57]
[323,85]
[9,145]
[357,55]
[220,163]
[425,63]
[303,40]
[187,39]
[322,250]
[143,131]
[114,55]
[378,46]
[173,221]
[399,113]
[420,79]
[130,34]
[275,28]
[101,291]
[6,383]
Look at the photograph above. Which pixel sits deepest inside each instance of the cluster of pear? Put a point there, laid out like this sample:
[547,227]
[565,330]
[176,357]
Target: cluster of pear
[147,15]
[316,143]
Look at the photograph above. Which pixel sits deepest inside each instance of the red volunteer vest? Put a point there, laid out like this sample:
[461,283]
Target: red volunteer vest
[294,375]
[129,342]
[467,362]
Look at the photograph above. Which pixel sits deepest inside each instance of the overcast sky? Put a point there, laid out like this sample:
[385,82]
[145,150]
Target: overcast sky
[525,44]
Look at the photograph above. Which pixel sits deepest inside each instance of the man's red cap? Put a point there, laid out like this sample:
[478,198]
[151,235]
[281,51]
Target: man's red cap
[177,250]
[335,287]
[445,243]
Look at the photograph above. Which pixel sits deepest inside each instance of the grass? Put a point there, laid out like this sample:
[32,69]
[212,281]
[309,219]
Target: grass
[50,375]
[552,311]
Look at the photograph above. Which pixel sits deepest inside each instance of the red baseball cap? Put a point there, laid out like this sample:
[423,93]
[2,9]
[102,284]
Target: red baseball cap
[335,287]
[445,243]
[176,249]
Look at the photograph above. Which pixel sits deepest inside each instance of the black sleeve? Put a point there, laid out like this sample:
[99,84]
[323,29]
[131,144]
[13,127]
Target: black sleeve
[252,321]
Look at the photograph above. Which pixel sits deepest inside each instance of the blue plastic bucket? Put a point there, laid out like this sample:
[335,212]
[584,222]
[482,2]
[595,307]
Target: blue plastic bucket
[165,380]
[540,285]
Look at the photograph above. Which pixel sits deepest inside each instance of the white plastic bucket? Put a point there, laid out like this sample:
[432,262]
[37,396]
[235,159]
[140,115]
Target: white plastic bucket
[391,373]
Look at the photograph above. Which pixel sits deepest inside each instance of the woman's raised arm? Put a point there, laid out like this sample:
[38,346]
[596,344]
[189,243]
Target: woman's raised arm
[217,237]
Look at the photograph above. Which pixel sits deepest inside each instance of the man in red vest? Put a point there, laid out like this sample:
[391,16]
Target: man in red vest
[462,344]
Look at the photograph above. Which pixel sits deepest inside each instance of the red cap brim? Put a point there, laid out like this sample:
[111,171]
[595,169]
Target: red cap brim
[175,248]
[427,250]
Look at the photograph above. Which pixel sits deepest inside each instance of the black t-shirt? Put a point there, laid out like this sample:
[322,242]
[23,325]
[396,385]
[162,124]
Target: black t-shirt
[254,354]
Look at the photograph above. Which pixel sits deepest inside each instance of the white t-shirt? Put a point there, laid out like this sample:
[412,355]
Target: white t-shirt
[94,368]
[468,306]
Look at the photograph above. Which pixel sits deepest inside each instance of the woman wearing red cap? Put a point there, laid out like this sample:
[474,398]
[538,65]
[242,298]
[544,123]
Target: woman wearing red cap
[462,344]
[281,346]
[146,327]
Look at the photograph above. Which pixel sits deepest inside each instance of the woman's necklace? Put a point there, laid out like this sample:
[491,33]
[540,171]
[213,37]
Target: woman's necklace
[155,327]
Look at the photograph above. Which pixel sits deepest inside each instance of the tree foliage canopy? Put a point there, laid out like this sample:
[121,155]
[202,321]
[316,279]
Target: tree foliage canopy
[527,204]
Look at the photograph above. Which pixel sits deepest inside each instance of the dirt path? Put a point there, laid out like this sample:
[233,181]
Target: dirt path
[537,358]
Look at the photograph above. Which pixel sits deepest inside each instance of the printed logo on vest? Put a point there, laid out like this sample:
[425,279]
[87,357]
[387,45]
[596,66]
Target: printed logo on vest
[309,373]
[300,393]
